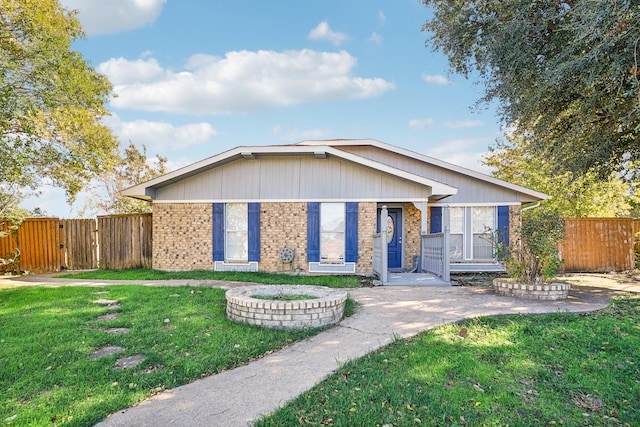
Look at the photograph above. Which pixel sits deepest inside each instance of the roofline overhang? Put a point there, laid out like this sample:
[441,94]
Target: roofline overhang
[146,190]
[431,160]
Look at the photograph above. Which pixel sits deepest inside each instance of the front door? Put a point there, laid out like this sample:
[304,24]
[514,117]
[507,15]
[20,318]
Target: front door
[394,237]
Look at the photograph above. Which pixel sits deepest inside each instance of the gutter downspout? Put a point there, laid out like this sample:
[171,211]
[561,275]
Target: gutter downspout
[535,205]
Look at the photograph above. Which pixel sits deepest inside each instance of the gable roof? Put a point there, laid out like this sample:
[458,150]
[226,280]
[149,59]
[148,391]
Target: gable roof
[147,190]
[428,160]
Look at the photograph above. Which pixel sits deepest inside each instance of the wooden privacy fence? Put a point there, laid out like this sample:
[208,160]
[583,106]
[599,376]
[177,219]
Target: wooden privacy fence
[52,244]
[599,244]
[38,241]
[125,241]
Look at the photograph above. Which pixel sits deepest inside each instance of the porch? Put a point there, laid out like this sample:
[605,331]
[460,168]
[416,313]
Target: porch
[431,266]
[415,279]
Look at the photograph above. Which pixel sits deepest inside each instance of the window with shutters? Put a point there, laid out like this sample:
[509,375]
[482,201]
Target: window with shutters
[471,230]
[332,232]
[236,232]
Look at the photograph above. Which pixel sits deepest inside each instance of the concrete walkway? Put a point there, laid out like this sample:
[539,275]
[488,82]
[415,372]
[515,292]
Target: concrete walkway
[239,396]
[242,395]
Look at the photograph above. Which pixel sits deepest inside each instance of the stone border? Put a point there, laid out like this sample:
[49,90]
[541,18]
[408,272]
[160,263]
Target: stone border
[513,288]
[325,309]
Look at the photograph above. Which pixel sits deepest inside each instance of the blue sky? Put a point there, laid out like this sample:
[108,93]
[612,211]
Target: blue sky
[194,78]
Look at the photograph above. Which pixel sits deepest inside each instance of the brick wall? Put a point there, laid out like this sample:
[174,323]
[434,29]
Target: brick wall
[182,235]
[411,239]
[283,225]
[366,228]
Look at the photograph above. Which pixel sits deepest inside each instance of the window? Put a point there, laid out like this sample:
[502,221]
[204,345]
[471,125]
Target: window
[456,240]
[332,232]
[237,232]
[483,222]
[471,230]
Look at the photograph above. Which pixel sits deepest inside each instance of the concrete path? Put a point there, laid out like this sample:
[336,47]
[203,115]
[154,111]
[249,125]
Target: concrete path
[242,395]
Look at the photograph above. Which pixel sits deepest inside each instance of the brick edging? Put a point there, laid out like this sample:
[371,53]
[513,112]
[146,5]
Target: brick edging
[513,288]
[325,309]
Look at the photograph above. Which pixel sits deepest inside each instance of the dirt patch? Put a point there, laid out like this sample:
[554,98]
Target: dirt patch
[475,279]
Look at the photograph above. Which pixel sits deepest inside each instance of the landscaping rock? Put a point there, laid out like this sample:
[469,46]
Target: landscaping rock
[106,351]
[107,317]
[104,301]
[118,331]
[129,362]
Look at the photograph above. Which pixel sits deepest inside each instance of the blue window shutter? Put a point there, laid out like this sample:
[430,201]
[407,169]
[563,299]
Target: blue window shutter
[313,232]
[503,225]
[254,231]
[351,231]
[436,219]
[218,231]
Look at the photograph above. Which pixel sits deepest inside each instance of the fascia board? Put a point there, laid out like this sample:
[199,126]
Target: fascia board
[430,160]
[143,190]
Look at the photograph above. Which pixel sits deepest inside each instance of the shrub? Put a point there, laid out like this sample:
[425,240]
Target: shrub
[533,257]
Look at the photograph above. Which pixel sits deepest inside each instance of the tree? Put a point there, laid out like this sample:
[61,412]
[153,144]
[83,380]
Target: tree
[587,195]
[566,73]
[51,102]
[133,169]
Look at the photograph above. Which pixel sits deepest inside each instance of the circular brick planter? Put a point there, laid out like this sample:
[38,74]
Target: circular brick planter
[548,291]
[326,308]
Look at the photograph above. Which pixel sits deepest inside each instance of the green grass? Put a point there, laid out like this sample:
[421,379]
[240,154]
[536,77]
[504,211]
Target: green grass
[230,276]
[48,334]
[536,370]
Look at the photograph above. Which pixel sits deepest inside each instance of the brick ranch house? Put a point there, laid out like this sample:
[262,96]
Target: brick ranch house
[323,199]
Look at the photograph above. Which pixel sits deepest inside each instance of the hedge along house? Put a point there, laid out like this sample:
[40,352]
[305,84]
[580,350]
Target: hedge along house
[324,199]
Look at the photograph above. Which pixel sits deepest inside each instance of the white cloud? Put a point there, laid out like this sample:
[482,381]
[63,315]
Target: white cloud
[375,38]
[158,137]
[323,32]
[463,124]
[241,81]
[465,152]
[297,135]
[121,71]
[381,18]
[420,123]
[436,79]
[114,16]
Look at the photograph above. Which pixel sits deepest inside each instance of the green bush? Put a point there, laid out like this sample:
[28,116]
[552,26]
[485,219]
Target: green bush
[534,256]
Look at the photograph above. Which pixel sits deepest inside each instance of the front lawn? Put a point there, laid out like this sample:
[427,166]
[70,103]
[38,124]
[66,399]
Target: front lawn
[535,370]
[47,336]
[229,276]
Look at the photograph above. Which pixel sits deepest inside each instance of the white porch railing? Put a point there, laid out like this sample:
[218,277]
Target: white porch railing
[380,256]
[435,255]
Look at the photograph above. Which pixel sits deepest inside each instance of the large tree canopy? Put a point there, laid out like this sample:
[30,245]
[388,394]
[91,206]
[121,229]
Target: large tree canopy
[565,73]
[51,101]
[587,195]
